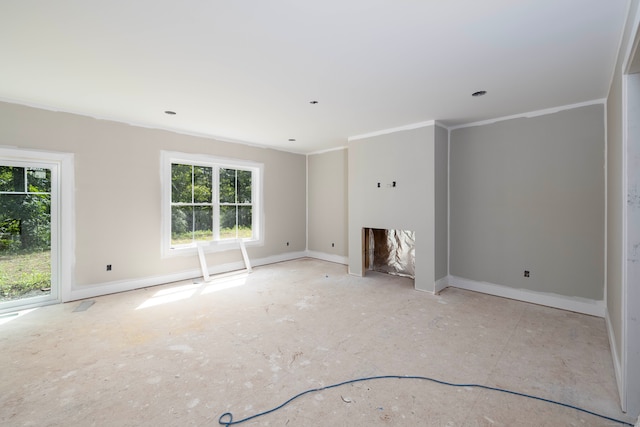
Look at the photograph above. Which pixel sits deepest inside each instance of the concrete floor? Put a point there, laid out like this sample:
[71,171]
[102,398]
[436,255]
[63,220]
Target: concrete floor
[184,354]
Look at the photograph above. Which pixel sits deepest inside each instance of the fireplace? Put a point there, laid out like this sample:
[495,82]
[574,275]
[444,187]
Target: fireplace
[389,251]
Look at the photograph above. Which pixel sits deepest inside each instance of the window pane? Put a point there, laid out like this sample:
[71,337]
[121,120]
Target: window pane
[244,186]
[227,185]
[10,223]
[202,184]
[36,211]
[39,180]
[181,183]
[25,222]
[11,179]
[25,244]
[228,222]
[203,226]
[181,225]
[244,221]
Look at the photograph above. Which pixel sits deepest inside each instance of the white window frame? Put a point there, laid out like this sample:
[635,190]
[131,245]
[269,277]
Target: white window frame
[62,218]
[167,158]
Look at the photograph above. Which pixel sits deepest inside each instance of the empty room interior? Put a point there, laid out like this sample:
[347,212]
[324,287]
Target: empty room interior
[345,213]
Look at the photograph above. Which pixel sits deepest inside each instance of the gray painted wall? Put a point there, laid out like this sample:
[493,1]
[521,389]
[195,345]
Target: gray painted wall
[528,194]
[406,157]
[327,207]
[117,171]
[441,170]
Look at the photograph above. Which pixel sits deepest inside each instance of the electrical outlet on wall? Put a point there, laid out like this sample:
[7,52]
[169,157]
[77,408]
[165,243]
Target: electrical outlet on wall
[108,267]
[526,273]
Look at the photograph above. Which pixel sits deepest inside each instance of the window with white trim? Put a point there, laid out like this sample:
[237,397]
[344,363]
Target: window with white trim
[209,201]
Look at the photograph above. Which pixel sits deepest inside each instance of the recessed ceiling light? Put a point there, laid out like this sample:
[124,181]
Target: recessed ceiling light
[313,102]
[171,113]
[479,93]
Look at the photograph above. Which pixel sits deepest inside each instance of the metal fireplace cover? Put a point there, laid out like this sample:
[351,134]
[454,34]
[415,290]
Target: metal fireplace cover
[391,251]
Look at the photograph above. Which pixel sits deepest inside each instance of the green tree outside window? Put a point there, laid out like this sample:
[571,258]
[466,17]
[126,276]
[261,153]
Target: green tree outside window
[200,196]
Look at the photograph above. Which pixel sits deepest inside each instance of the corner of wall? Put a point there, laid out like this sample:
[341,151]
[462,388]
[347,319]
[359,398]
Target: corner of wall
[338,259]
[617,367]
[441,284]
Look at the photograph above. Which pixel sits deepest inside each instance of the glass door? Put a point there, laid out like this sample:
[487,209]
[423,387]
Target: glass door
[28,237]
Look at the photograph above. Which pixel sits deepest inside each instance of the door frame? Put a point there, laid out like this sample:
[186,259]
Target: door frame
[630,358]
[62,218]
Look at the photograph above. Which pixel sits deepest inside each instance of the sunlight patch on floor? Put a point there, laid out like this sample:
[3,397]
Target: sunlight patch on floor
[182,292]
[227,282]
[169,295]
[8,317]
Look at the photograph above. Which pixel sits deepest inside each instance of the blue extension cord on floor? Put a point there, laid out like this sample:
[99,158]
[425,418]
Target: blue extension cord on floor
[226,419]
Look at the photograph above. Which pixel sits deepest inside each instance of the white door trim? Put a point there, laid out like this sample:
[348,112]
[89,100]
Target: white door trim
[62,215]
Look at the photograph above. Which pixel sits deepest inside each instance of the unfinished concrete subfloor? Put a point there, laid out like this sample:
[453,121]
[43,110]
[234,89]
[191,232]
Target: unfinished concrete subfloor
[184,354]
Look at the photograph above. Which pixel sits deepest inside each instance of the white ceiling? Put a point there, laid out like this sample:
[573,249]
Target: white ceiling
[246,70]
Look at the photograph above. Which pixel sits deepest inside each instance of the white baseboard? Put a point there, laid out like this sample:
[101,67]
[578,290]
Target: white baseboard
[289,256]
[577,304]
[338,259]
[617,366]
[580,305]
[95,290]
